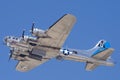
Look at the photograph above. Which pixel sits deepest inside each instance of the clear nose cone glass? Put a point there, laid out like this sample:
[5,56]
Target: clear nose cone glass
[5,39]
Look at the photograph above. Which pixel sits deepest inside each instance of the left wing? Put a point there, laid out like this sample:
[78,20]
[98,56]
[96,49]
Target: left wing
[29,64]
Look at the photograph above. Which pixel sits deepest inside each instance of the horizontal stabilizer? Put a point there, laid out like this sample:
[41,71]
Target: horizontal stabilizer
[99,56]
[90,66]
[104,54]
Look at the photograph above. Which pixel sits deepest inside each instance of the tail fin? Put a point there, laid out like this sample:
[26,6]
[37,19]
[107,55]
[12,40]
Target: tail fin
[102,51]
[100,46]
[103,44]
[103,55]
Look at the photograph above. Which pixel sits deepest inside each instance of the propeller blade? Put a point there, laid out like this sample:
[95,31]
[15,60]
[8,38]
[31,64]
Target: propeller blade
[33,24]
[11,51]
[23,33]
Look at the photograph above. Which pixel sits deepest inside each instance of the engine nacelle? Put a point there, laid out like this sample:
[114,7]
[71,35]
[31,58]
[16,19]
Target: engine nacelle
[38,32]
[25,38]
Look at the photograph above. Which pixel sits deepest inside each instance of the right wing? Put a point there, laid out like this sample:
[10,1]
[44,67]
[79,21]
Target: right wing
[30,63]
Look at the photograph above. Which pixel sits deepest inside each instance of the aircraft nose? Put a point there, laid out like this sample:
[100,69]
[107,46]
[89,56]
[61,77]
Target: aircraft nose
[5,39]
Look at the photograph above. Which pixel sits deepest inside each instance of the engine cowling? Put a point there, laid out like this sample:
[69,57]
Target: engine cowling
[38,32]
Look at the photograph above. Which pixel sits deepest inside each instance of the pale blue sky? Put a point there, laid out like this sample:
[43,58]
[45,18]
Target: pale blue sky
[96,19]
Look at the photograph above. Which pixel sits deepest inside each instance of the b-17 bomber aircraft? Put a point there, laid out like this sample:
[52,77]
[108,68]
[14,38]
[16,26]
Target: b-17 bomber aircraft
[34,50]
[42,46]
[98,55]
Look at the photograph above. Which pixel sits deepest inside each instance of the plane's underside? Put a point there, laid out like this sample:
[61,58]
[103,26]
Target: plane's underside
[31,52]
[42,46]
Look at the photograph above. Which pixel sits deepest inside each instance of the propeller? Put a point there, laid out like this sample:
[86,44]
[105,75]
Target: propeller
[23,33]
[11,52]
[33,24]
